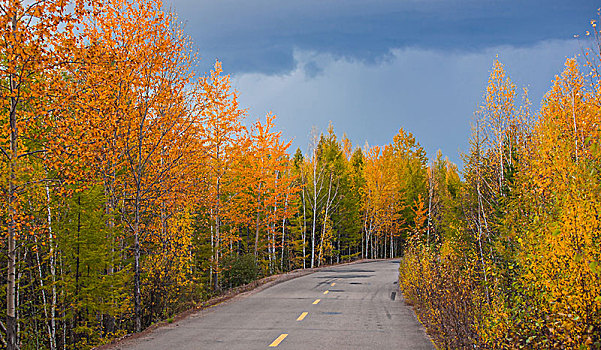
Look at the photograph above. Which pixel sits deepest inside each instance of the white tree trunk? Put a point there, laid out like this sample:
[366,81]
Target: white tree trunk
[52,274]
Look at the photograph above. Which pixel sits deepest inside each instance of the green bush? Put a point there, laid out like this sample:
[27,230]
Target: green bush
[238,270]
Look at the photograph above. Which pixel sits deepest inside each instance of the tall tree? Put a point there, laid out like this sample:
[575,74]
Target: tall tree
[221,133]
[32,45]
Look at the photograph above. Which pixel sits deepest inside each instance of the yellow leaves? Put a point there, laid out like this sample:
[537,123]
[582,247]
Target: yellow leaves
[388,172]
[561,202]
[531,205]
[420,213]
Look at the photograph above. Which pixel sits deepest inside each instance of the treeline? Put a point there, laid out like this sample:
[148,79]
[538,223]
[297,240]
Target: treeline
[132,188]
[353,201]
[511,255]
[128,180]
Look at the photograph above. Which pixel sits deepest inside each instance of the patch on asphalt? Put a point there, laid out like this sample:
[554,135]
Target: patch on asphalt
[392,295]
[344,276]
[346,270]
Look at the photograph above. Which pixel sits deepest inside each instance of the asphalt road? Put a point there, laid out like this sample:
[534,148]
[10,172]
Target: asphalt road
[354,306]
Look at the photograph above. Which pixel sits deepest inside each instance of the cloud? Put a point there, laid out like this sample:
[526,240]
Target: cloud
[431,93]
[261,35]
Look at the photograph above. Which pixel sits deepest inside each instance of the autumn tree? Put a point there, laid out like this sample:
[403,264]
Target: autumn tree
[32,45]
[271,184]
[562,233]
[221,134]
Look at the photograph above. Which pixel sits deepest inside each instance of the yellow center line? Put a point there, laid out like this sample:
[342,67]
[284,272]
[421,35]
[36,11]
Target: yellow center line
[302,316]
[316,301]
[326,292]
[333,284]
[278,340]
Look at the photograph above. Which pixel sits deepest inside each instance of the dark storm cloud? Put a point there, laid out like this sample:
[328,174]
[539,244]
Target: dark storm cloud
[431,93]
[373,66]
[260,35]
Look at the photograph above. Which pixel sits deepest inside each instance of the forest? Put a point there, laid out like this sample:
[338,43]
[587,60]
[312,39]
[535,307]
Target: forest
[134,188]
[510,255]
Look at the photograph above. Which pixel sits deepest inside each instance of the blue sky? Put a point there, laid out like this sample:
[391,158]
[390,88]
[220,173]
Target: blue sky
[374,66]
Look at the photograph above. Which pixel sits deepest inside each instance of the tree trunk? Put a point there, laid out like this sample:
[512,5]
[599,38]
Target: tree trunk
[314,207]
[323,232]
[304,234]
[110,224]
[430,195]
[11,321]
[216,256]
[52,274]
[137,292]
[257,230]
[44,299]
[284,232]
[313,233]
[77,261]
[212,252]
[217,232]
[480,211]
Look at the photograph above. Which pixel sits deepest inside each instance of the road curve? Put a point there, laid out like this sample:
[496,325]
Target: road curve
[355,306]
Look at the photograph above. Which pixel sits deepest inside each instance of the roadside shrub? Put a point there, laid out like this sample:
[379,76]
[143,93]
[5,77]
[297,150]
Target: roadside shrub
[238,270]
